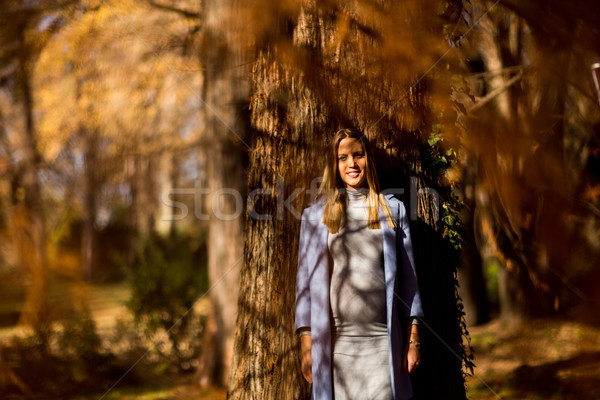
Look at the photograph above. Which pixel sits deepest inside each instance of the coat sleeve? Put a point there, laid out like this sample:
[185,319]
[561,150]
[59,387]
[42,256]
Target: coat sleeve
[302,278]
[411,298]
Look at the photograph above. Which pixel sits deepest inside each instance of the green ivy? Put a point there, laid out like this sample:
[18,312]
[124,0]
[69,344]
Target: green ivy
[452,224]
[438,161]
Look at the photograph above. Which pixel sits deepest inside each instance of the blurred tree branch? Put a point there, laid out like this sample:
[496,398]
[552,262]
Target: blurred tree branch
[494,93]
[171,8]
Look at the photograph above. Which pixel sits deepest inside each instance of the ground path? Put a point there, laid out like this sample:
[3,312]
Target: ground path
[547,359]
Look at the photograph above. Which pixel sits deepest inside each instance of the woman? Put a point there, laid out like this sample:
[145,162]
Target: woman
[357,295]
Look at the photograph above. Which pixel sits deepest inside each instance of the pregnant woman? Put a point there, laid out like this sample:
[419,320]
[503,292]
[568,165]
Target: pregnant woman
[357,297]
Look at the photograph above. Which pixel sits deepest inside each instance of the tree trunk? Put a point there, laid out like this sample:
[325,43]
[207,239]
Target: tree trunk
[30,215]
[133,166]
[266,363]
[88,237]
[472,288]
[225,94]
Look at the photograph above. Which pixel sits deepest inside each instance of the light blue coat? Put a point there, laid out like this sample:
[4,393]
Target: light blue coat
[312,294]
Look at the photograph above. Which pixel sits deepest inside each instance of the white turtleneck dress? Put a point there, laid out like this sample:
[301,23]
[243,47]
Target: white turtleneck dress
[361,367]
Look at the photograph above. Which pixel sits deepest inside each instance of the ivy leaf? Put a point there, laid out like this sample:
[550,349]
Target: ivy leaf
[449,220]
[433,139]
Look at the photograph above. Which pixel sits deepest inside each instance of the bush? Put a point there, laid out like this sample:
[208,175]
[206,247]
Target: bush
[68,360]
[168,277]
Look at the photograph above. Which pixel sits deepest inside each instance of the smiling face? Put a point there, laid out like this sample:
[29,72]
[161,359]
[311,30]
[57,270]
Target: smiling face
[352,163]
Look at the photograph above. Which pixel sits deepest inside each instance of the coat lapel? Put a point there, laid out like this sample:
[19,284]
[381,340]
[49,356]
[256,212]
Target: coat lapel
[320,313]
[389,262]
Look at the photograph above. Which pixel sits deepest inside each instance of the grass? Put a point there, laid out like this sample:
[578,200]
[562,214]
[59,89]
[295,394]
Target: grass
[107,304]
[181,390]
[108,307]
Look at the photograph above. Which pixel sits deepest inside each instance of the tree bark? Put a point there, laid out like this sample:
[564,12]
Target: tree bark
[265,364]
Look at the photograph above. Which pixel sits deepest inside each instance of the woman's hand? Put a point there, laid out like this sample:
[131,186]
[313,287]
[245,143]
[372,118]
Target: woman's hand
[411,358]
[306,357]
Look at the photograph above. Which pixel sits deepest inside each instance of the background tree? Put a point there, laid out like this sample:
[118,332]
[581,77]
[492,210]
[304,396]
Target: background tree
[225,114]
[121,104]
[26,32]
[117,129]
[103,106]
[531,120]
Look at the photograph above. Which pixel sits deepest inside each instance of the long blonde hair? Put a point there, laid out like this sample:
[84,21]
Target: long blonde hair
[333,187]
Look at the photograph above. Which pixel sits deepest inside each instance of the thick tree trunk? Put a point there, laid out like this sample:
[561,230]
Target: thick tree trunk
[265,364]
[30,216]
[514,289]
[225,241]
